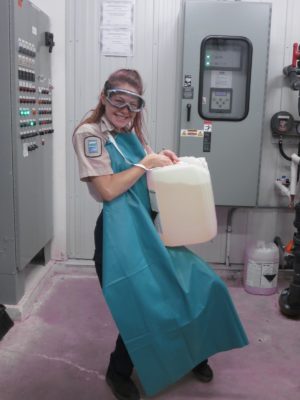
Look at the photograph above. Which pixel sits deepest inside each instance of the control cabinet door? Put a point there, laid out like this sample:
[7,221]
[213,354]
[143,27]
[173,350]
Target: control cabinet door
[224,71]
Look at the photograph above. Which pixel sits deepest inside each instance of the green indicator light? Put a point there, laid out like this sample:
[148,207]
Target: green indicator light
[207,56]
[207,64]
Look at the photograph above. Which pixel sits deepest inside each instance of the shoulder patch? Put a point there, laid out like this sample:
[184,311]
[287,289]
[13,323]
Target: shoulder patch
[92,146]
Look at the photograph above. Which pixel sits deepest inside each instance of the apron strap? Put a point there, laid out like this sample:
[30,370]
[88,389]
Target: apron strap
[113,141]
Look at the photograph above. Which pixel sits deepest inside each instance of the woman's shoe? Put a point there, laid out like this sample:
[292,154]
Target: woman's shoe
[203,372]
[122,387]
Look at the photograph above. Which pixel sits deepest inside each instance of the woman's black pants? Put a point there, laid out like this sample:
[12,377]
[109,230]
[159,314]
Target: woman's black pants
[120,361]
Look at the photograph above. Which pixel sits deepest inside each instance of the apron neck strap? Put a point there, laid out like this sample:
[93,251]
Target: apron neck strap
[113,141]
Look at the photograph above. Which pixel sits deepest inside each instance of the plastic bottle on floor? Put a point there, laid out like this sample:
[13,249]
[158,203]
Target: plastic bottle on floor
[261,268]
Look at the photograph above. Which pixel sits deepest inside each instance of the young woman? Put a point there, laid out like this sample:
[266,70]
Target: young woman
[171,309]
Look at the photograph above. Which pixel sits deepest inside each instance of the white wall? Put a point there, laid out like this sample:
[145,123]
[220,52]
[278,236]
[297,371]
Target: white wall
[55,9]
[157,56]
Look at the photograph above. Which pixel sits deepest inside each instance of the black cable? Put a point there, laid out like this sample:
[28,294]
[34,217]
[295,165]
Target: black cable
[282,152]
[298,168]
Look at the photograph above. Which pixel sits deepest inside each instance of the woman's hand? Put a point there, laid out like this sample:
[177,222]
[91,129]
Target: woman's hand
[111,186]
[169,153]
[162,159]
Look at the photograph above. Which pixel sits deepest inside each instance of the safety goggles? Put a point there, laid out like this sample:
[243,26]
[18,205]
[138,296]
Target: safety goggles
[121,98]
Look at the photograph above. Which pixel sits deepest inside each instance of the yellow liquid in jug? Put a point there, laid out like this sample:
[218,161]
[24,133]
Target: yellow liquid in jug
[187,213]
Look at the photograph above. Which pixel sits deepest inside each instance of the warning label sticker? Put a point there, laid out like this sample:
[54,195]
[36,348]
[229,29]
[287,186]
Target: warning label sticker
[262,275]
[192,133]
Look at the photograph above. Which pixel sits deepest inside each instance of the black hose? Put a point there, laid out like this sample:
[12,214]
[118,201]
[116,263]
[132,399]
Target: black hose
[282,151]
[298,168]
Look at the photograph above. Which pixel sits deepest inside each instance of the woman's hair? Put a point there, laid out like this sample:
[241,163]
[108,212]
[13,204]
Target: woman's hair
[132,78]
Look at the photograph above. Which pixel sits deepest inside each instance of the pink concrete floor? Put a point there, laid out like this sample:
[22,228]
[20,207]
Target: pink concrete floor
[61,350]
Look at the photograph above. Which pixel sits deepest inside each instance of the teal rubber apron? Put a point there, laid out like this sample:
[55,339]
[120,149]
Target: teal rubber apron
[171,309]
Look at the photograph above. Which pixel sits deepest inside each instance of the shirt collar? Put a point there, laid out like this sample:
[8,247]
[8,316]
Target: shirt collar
[106,126]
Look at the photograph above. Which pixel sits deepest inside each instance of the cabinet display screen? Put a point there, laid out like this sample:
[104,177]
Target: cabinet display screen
[224,78]
[224,58]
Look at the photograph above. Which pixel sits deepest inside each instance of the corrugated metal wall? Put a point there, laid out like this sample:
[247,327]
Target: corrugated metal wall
[157,55]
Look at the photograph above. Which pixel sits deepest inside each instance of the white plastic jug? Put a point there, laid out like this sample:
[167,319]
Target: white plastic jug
[261,268]
[182,196]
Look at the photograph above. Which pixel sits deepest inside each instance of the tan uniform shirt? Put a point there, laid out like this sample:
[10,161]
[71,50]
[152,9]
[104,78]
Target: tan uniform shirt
[89,141]
[93,159]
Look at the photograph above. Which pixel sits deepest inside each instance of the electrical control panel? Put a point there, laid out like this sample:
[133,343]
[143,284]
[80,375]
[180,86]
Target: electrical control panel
[26,131]
[224,72]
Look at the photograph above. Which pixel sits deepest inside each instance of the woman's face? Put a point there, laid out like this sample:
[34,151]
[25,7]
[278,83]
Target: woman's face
[123,117]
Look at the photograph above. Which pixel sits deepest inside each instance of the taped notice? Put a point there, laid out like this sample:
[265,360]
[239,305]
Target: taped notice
[192,132]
